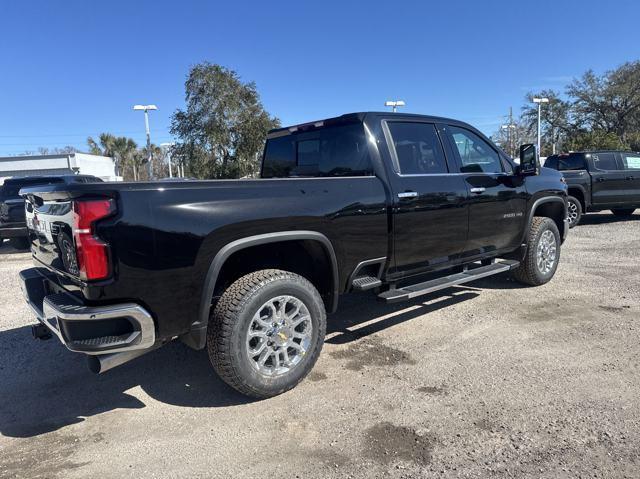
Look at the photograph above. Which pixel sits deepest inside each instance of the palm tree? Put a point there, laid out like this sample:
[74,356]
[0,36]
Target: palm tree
[125,151]
[105,146]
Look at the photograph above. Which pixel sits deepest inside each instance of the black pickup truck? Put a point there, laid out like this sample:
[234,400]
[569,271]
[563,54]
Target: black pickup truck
[13,224]
[599,180]
[401,205]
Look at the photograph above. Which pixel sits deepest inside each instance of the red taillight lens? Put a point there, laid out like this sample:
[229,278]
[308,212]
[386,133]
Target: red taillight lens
[91,252]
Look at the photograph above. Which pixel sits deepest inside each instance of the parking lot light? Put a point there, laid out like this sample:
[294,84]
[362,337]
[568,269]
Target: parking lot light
[394,104]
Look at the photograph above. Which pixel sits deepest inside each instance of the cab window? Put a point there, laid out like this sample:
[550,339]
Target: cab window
[417,148]
[631,161]
[474,153]
[339,150]
[605,161]
[571,162]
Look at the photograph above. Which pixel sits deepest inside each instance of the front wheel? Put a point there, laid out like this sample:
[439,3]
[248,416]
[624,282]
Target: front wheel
[543,253]
[623,211]
[574,211]
[266,332]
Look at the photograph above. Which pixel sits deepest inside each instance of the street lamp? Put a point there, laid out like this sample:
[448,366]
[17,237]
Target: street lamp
[539,101]
[394,104]
[168,147]
[146,109]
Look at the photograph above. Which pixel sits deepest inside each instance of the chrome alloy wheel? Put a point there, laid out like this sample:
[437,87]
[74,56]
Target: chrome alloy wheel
[547,252]
[279,335]
[572,212]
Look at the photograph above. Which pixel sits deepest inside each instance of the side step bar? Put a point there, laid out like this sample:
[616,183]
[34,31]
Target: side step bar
[413,290]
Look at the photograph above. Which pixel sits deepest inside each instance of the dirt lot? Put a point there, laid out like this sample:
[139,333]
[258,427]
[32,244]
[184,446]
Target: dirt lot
[492,380]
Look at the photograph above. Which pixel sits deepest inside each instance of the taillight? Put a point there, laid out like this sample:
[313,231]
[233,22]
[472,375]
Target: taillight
[92,253]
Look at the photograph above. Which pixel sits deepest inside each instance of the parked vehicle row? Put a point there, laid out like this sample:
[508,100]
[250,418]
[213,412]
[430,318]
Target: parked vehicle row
[397,204]
[12,206]
[599,180]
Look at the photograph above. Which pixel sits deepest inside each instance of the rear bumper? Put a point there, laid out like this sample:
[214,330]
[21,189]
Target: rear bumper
[86,329]
[13,232]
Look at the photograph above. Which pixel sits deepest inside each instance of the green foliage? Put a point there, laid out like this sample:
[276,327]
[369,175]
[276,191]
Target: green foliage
[595,112]
[594,140]
[223,127]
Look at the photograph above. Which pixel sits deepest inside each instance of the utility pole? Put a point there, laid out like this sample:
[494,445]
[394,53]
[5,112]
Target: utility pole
[146,109]
[510,127]
[168,147]
[539,101]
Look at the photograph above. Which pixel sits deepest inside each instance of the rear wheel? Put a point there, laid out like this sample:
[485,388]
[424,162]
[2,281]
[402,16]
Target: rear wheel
[623,211]
[19,242]
[266,332]
[543,253]
[574,211]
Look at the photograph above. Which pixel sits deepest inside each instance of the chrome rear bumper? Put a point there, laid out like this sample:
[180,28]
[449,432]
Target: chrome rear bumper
[87,329]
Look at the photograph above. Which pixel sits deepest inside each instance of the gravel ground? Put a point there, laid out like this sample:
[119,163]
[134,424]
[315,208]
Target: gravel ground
[491,380]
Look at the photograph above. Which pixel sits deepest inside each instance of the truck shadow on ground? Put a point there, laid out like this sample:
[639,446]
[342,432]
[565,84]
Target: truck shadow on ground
[605,218]
[45,387]
[6,248]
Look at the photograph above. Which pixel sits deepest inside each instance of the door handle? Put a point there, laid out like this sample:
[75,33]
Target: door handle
[477,190]
[408,194]
[599,180]
[629,177]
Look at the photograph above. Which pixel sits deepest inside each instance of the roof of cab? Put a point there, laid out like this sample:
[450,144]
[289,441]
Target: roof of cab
[355,117]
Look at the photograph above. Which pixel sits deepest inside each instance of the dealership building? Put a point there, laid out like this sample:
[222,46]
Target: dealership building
[62,164]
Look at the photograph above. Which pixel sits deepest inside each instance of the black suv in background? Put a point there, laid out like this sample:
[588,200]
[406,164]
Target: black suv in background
[12,214]
[599,180]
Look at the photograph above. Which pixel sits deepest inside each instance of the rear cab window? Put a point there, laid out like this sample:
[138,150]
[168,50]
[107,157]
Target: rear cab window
[329,151]
[571,162]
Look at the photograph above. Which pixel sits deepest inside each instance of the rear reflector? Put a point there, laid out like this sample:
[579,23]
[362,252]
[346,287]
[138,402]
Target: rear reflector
[92,253]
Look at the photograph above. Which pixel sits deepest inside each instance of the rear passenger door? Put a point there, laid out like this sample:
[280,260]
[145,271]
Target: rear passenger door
[497,198]
[608,181]
[430,214]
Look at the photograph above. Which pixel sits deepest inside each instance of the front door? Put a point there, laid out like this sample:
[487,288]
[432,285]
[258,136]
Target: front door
[430,214]
[497,198]
[631,167]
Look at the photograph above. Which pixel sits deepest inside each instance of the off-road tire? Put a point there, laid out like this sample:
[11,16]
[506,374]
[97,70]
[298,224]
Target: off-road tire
[623,211]
[19,242]
[231,317]
[574,205]
[528,271]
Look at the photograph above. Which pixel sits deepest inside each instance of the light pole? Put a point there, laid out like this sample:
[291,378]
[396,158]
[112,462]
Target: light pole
[394,104]
[539,101]
[168,147]
[146,109]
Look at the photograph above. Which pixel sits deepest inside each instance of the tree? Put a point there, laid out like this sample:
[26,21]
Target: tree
[224,125]
[595,112]
[556,121]
[610,103]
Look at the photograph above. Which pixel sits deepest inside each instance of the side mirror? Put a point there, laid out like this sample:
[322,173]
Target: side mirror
[528,160]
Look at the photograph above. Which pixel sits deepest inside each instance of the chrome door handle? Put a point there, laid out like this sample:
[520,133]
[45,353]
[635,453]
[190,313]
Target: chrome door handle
[629,177]
[599,180]
[408,194]
[477,190]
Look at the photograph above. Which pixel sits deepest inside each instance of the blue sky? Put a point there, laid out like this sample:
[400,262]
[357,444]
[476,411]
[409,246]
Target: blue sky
[74,68]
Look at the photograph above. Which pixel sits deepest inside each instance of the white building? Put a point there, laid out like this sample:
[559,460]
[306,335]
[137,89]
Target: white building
[63,164]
